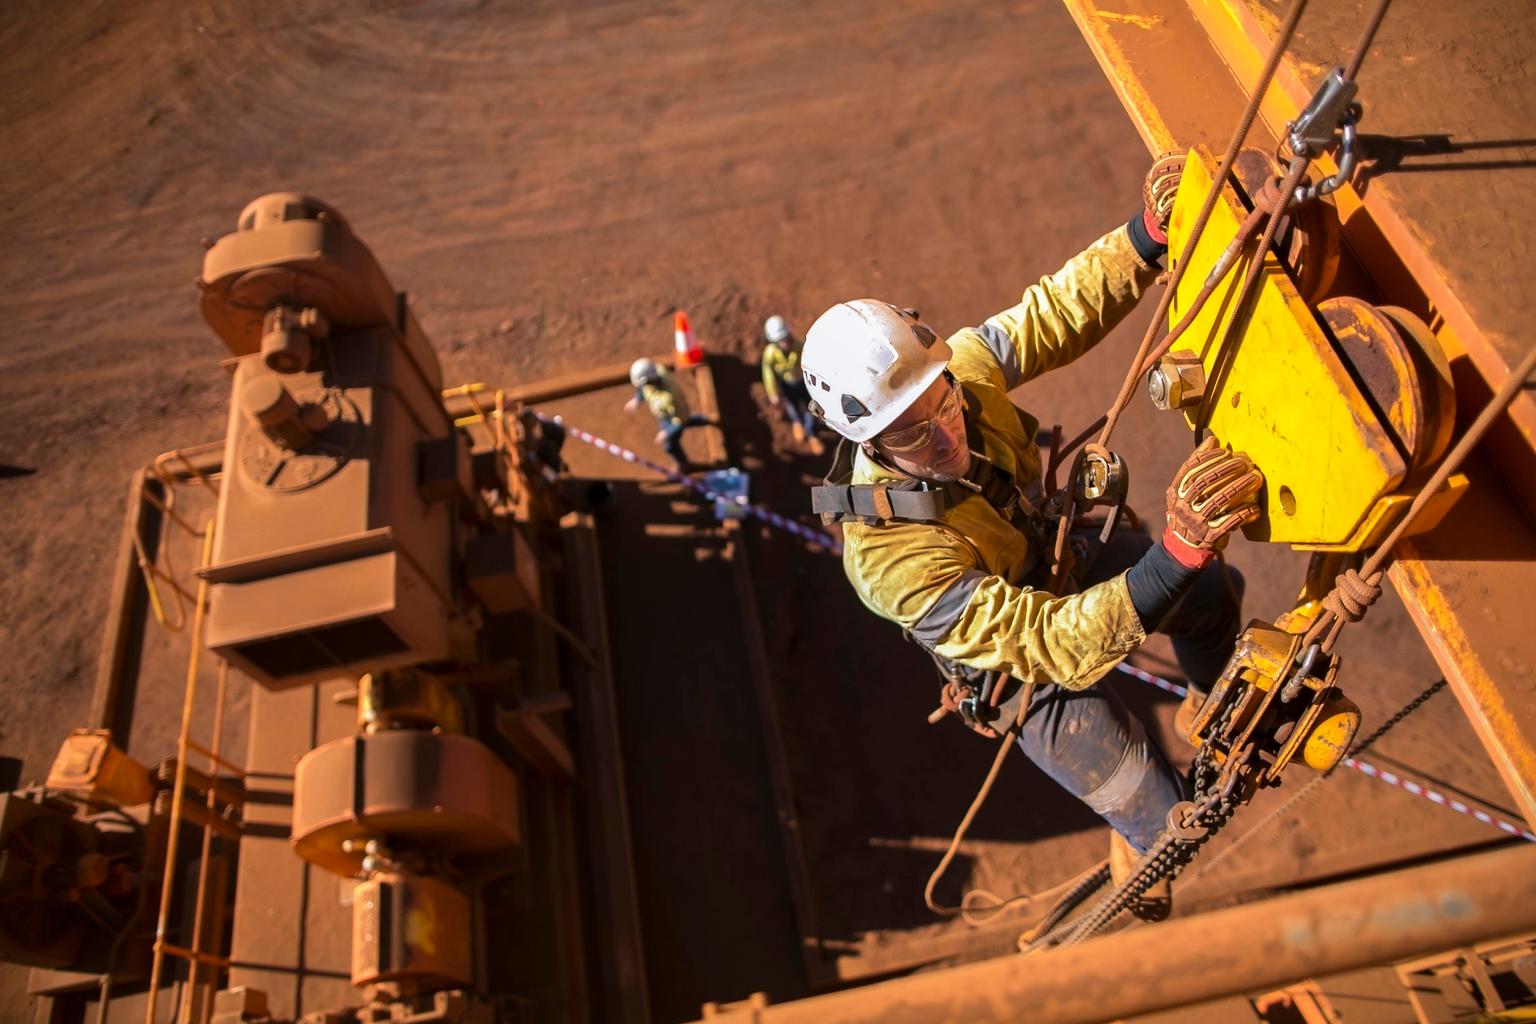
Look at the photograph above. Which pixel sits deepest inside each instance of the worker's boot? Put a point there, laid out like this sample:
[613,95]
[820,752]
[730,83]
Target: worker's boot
[814,445]
[1154,904]
[1189,707]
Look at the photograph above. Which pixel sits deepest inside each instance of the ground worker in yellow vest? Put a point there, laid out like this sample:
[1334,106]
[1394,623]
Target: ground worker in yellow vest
[657,389]
[938,487]
[783,383]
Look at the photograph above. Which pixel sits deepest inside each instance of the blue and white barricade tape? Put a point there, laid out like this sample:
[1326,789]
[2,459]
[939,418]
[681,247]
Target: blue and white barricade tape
[818,537]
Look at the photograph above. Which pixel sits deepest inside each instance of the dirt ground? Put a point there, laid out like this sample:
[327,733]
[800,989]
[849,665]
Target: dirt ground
[550,181]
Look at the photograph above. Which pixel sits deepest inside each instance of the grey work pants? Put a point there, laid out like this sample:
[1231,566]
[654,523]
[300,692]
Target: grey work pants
[1089,742]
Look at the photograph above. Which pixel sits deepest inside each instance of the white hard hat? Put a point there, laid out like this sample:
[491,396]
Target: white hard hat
[776,329]
[865,362]
[642,371]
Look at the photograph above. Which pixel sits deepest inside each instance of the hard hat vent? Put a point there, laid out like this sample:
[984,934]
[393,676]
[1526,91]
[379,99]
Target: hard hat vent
[925,337]
[853,408]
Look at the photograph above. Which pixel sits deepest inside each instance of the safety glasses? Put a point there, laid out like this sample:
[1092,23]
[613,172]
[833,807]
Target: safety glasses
[918,435]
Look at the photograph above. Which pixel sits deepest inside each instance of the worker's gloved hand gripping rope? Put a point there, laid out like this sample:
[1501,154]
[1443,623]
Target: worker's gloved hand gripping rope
[1158,191]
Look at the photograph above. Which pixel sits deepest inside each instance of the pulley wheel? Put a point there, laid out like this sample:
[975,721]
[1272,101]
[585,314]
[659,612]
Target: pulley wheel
[1398,363]
[1434,371]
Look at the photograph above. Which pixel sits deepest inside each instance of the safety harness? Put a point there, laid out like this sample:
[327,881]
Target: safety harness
[977,695]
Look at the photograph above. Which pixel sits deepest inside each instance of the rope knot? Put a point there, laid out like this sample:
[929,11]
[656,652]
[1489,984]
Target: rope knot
[1352,594]
[951,694]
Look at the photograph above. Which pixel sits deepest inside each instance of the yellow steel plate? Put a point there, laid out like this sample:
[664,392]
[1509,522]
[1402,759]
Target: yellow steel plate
[1278,391]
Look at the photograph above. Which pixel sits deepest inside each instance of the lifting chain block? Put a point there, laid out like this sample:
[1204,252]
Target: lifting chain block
[1273,703]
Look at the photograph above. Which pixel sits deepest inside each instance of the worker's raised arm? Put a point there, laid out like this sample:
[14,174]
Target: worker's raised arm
[1062,316]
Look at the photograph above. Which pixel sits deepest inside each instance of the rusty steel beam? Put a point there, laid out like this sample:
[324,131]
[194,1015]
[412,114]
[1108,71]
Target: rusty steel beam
[1407,217]
[1253,948]
[1183,69]
[117,668]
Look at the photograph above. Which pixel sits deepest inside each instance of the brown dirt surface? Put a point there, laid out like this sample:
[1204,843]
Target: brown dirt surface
[550,181]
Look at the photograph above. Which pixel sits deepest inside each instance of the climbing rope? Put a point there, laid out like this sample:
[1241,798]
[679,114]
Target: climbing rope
[1005,745]
[1146,353]
[1287,29]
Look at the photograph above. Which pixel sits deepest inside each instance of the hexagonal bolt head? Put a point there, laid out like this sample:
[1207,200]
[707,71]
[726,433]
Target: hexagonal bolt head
[1177,381]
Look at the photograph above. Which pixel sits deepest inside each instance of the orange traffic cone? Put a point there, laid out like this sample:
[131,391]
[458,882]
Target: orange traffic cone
[688,351]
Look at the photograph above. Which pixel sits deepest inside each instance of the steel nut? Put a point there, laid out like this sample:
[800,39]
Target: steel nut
[1177,381]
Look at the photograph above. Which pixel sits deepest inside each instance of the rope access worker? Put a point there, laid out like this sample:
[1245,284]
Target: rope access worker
[657,389]
[784,384]
[938,485]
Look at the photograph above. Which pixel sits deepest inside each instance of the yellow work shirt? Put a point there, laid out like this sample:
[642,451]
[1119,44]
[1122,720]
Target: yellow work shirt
[779,367]
[955,582]
[665,399]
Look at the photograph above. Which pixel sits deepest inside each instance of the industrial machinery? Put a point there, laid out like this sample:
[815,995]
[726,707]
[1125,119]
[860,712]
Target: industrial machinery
[387,580]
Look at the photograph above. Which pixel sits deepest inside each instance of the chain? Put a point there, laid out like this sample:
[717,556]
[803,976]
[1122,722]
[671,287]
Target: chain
[1168,856]
[1089,884]
[1212,809]
[1386,727]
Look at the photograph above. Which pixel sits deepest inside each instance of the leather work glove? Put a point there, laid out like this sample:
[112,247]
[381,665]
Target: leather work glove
[1158,192]
[1213,493]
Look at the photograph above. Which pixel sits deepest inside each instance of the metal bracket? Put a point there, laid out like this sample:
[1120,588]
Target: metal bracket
[977,709]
